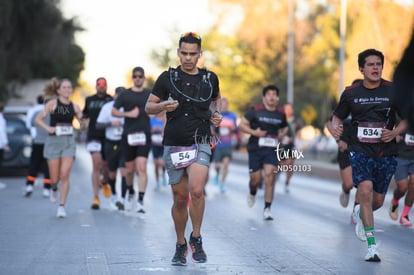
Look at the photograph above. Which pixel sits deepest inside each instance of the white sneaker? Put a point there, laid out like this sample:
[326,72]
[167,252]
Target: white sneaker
[29,190]
[251,200]
[46,193]
[267,215]
[359,227]
[140,207]
[61,213]
[373,254]
[53,196]
[344,199]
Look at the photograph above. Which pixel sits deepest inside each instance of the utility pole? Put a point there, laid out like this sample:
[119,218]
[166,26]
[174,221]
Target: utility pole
[342,33]
[291,49]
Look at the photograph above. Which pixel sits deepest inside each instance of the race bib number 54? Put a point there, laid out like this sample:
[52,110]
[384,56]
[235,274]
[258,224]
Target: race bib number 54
[183,156]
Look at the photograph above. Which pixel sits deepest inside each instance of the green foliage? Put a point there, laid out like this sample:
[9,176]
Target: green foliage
[36,42]
[253,51]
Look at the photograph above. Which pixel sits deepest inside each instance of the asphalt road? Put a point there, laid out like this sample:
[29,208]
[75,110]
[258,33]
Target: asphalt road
[311,232]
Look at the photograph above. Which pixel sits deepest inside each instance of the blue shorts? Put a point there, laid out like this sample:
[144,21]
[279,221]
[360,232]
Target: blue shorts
[405,168]
[157,151]
[262,156]
[175,175]
[222,152]
[379,170]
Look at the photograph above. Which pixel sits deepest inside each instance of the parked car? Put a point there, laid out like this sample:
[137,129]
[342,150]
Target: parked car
[20,142]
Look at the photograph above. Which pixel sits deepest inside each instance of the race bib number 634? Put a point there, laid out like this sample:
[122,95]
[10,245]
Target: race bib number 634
[370,132]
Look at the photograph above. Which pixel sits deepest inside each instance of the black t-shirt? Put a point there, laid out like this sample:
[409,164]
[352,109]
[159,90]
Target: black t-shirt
[128,100]
[346,135]
[93,105]
[371,110]
[186,127]
[270,121]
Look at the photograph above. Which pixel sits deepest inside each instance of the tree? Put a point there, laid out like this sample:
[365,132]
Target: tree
[36,42]
[253,51]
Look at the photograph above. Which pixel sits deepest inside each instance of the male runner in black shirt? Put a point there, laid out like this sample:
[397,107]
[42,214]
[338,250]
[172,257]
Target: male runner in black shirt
[96,139]
[267,126]
[188,94]
[136,136]
[372,148]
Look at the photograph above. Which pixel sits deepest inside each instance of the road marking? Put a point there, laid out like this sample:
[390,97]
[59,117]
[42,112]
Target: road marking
[97,264]
[2,185]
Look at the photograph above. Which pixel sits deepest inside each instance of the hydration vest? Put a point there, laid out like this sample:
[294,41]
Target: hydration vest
[195,99]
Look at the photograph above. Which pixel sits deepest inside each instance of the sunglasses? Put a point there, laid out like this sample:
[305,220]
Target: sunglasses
[193,34]
[137,76]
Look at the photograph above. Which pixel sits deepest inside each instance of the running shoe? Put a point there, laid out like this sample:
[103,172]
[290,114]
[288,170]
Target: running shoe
[250,200]
[95,204]
[61,213]
[267,215]
[373,254]
[106,190]
[287,189]
[140,207]
[405,221]
[222,188]
[196,244]
[120,205]
[359,227]
[393,211]
[46,193]
[29,190]
[216,179]
[180,256]
[344,199]
[157,186]
[53,196]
